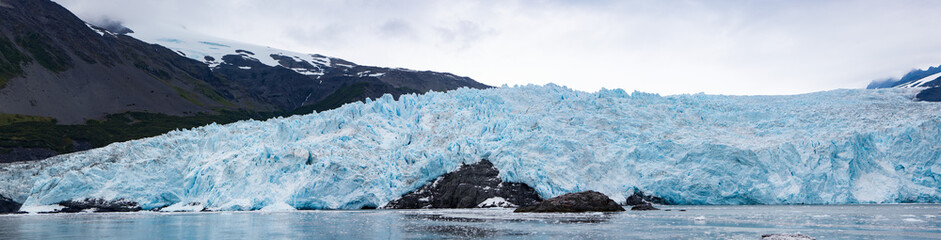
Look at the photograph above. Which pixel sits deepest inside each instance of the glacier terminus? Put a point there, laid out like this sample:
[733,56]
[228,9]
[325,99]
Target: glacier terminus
[832,147]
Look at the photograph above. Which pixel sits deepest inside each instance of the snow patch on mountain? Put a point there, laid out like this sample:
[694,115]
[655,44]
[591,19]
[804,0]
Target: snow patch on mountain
[841,146]
[921,82]
[210,50]
[99,30]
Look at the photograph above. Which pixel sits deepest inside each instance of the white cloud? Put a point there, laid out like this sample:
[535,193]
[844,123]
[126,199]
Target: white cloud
[733,47]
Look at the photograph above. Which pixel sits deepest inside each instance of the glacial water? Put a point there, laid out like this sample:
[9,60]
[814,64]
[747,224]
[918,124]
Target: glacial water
[896,221]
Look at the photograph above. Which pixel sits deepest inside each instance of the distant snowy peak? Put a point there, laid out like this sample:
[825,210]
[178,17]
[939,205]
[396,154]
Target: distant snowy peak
[292,80]
[930,77]
[213,52]
[245,59]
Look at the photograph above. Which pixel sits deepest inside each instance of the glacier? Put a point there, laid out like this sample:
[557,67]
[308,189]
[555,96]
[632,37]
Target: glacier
[832,147]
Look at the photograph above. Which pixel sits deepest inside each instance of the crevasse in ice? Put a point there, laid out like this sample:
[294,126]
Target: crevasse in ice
[841,146]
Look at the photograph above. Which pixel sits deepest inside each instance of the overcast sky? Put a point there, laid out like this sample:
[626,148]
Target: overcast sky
[667,47]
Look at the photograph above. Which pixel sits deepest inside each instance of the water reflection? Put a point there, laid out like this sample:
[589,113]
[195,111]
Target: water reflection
[438,217]
[502,216]
[489,224]
[699,222]
[454,231]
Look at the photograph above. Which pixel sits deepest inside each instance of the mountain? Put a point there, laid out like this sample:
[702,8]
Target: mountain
[834,147]
[930,77]
[293,80]
[918,78]
[66,85]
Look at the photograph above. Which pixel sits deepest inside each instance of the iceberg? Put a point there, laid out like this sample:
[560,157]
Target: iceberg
[832,147]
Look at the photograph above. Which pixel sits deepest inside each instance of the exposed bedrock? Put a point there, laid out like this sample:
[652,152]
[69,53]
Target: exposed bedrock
[588,201]
[929,95]
[470,186]
[642,202]
[643,207]
[786,236]
[99,205]
[8,205]
[639,197]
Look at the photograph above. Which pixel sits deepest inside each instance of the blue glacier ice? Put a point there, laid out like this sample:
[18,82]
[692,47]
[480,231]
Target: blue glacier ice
[840,146]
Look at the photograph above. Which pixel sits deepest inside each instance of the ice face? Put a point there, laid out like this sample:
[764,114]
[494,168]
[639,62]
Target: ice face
[841,146]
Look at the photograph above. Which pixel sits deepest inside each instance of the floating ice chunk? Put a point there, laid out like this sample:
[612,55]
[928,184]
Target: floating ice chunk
[41,208]
[496,202]
[184,207]
[278,207]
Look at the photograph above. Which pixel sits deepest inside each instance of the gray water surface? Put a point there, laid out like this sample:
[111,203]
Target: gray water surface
[898,221]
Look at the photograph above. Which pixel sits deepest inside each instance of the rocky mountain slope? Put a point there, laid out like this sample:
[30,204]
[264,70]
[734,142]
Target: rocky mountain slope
[66,85]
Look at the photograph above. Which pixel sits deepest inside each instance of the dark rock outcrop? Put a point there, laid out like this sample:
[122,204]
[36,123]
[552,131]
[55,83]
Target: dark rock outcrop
[929,95]
[642,201]
[18,154]
[469,187]
[588,201]
[99,205]
[634,200]
[786,236]
[8,205]
[643,207]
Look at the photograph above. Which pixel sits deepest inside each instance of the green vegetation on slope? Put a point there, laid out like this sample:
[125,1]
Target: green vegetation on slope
[115,128]
[207,91]
[40,132]
[188,96]
[7,119]
[49,57]
[11,60]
